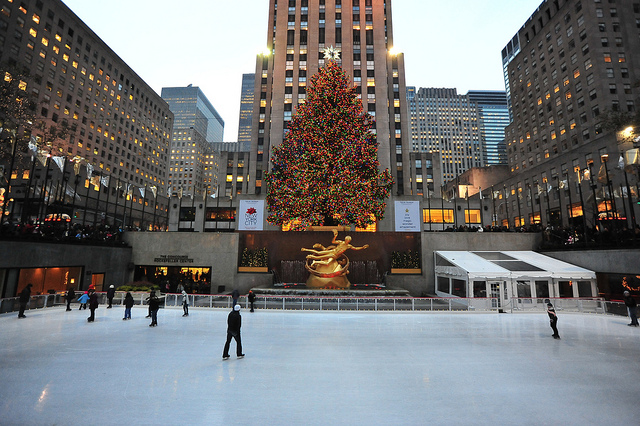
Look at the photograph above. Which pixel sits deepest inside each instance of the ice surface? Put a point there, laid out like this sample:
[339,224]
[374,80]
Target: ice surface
[317,368]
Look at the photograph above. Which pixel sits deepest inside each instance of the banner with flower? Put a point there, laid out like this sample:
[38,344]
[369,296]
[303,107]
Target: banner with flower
[251,215]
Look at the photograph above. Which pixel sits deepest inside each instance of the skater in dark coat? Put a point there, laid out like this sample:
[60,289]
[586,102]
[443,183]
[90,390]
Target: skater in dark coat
[93,305]
[553,320]
[234,322]
[154,306]
[25,296]
[252,298]
[70,296]
[235,295]
[632,307]
[128,304]
[110,294]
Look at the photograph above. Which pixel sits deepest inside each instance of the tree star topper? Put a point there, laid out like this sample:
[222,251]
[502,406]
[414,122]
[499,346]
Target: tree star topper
[332,54]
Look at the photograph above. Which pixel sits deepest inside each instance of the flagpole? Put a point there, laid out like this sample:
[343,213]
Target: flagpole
[559,199]
[44,188]
[442,206]
[204,215]
[115,211]
[7,197]
[521,221]
[584,213]
[131,207]
[468,207]
[481,208]
[429,206]
[532,219]
[596,213]
[106,217]
[124,210]
[494,218]
[624,205]
[27,200]
[75,191]
[155,206]
[95,213]
[144,200]
[506,203]
[633,214]
[86,199]
[570,200]
[193,206]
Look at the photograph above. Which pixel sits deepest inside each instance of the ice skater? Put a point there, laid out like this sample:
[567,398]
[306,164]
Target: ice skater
[93,305]
[252,299]
[235,295]
[110,294]
[185,303]
[128,304]
[632,307]
[83,300]
[71,294]
[234,322]
[553,320]
[154,306]
[25,296]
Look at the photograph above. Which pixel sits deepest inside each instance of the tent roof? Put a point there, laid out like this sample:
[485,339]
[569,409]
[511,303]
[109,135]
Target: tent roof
[511,264]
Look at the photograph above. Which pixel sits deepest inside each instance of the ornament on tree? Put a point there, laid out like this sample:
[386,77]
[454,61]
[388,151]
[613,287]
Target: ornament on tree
[326,172]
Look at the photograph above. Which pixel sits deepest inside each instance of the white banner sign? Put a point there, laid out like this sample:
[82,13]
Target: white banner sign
[251,215]
[407,216]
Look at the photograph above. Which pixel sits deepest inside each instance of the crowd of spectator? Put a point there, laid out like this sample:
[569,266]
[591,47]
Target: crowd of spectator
[62,232]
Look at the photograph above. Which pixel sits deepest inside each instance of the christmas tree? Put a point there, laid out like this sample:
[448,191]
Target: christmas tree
[326,170]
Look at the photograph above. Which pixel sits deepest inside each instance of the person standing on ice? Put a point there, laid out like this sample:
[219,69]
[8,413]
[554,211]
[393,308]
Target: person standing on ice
[185,303]
[128,304]
[25,296]
[83,300]
[93,305]
[252,299]
[234,322]
[110,294]
[154,306]
[632,307]
[553,320]
[71,294]
[235,295]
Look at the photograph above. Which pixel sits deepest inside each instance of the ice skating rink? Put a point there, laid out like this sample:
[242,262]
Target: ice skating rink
[317,368]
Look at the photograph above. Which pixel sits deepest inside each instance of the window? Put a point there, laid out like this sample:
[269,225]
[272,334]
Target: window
[437,216]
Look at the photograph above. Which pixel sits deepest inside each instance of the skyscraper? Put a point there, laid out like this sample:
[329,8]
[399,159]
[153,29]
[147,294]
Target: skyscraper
[299,32]
[446,123]
[246,108]
[196,125]
[493,118]
[570,66]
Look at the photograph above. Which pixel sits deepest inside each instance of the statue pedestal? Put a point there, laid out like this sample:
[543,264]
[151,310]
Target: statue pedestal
[338,282]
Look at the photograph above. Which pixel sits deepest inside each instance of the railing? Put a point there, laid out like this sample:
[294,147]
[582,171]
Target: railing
[346,303]
[586,305]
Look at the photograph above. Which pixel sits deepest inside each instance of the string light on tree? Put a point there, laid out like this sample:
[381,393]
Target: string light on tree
[326,171]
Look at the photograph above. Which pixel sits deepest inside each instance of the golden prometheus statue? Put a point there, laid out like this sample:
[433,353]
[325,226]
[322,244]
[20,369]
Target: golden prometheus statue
[329,266]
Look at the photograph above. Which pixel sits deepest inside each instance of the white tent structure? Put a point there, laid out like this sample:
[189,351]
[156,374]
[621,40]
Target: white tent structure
[505,275]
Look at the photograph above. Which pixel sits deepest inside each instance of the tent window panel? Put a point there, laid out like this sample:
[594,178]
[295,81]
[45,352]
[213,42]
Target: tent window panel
[459,288]
[584,289]
[542,289]
[565,288]
[443,284]
[479,289]
[524,290]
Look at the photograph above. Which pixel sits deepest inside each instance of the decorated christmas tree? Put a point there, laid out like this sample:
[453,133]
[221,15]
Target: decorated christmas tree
[326,172]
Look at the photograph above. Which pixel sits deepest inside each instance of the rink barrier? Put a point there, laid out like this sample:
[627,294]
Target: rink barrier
[343,303]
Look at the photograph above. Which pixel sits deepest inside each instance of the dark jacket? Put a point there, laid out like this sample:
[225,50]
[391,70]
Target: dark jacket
[630,301]
[93,300]
[70,294]
[128,301]
[234,322]
[252,297]
[154,303]
[235,294]
[25,294]
[111,292]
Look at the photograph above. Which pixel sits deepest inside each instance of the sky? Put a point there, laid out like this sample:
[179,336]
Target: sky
[211,43]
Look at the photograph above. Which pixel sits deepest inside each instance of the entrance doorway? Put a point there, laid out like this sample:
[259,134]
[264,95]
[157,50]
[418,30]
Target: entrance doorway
[498,294]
